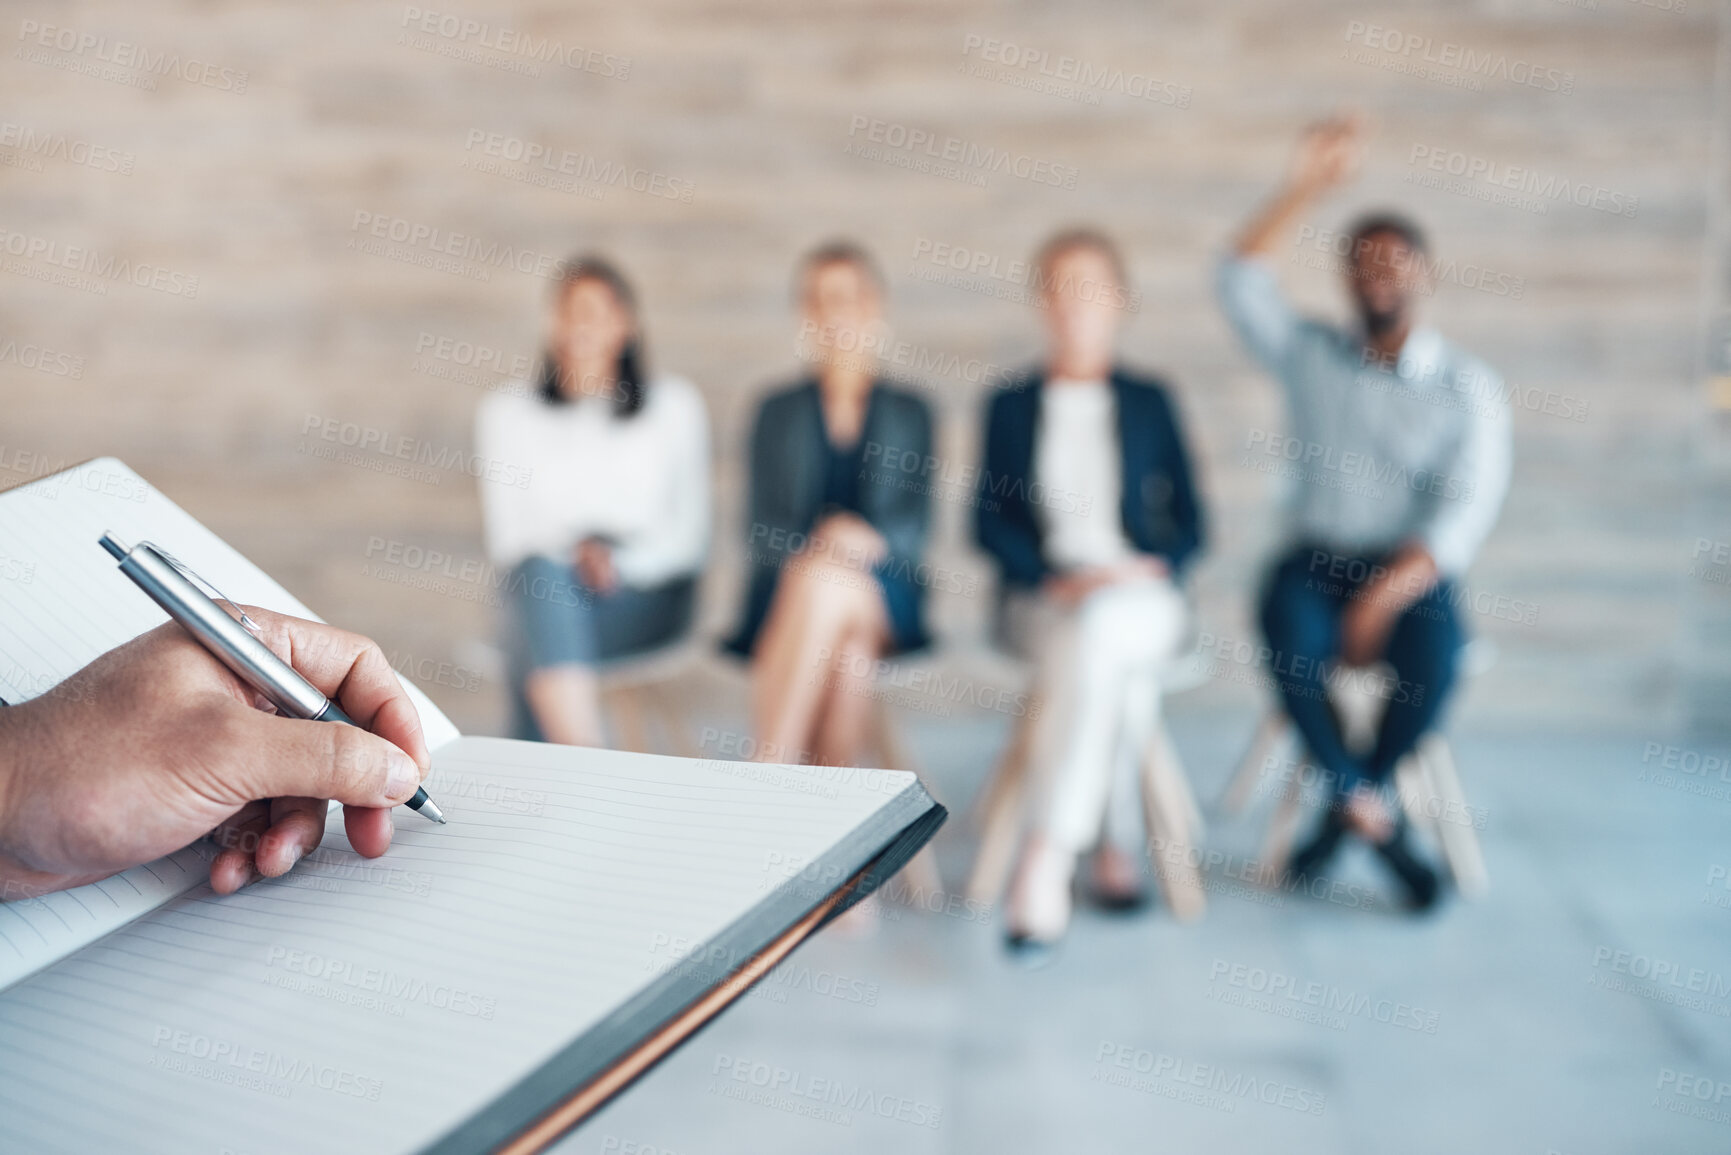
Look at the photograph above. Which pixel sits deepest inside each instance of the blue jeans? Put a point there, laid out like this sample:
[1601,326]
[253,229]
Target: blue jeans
[554,620]
[1302,605]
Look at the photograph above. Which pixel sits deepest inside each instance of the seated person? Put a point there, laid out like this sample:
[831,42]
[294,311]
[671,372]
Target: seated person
[1409,440]
[1087,504]
[836,536]
[598,504]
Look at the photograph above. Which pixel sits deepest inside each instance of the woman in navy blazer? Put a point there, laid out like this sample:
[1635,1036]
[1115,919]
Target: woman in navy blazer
[1158,510]
[1087,504]
[840,507]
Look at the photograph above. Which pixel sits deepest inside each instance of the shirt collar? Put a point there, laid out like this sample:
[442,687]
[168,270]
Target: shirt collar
[1421,354]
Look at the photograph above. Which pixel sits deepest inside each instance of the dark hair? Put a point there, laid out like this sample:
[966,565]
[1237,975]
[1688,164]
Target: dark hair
[1403,228]
[1078,237]
[837,252]
[629,382]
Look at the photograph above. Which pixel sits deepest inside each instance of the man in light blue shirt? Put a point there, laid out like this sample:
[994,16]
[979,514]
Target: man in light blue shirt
[1397,446]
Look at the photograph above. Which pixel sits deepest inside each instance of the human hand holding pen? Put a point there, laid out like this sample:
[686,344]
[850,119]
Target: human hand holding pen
[156,743]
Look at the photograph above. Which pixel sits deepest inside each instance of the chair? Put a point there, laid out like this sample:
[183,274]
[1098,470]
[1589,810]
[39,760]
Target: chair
[637,688]
[1174,821]
[923,876]
[1426,781]
[634,689]
[890,750]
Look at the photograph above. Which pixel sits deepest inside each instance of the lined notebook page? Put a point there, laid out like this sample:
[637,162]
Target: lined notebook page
[63,601]
[371,1005]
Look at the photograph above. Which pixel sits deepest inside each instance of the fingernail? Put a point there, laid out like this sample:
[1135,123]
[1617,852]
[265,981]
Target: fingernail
[404,776]
[295,854]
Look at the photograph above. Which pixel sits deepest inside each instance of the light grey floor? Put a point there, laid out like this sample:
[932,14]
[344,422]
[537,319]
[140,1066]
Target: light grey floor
[921,1038]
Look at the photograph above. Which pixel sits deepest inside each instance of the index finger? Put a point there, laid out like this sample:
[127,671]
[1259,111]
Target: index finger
[350,669]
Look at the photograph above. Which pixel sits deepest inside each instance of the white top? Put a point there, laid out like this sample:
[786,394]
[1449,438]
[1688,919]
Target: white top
[642,481]
[1078,475]
[1380,453]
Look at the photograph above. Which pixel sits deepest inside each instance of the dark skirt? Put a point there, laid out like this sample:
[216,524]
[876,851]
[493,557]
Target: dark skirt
[903,599]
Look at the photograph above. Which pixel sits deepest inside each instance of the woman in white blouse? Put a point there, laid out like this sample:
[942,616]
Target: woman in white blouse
[606,528]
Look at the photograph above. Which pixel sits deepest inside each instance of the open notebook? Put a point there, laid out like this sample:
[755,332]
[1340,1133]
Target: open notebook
[582,910]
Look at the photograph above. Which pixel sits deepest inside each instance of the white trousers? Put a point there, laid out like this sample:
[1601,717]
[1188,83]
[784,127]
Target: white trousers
[1098,670]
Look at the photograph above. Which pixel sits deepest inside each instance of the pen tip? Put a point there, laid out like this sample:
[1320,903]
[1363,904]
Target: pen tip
[430,809]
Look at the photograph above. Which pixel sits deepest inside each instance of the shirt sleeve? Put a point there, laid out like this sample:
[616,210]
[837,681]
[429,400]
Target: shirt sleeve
[1258,311]
[675,545]
[1474,481]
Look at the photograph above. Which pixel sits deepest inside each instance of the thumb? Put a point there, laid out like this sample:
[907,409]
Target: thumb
[289,757]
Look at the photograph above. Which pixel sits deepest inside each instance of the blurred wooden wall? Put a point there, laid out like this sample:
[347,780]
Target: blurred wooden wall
[742,124]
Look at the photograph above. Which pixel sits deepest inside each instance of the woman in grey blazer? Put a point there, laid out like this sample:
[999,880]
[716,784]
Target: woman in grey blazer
[840,505]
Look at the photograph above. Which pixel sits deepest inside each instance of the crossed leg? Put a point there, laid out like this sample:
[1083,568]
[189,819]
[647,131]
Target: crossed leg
[1099,667]
[815,661]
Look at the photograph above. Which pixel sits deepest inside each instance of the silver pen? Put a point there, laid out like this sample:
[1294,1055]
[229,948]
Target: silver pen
[178,591]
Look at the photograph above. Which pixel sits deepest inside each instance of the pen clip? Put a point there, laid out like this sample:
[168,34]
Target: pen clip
[216,595]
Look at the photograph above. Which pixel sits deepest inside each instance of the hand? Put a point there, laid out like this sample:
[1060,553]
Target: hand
[1364,630]
[1142,567]
[1069,589]
[848,539]
[1366,814]
[1329,154]
[594,563]
[156,744]
[1368,621]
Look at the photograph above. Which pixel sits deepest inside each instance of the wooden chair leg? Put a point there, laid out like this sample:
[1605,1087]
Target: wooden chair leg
[626,706]
[1006,775]
[1416,792]
[892,753]
[670,712]
[1282,832]
[1168,822]
[1178,782]
[999,815]
[920,876]
[1460,841]
[1270,731]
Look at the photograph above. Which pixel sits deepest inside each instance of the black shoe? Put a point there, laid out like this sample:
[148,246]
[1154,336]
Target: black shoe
[1314,855]
[1113,901]
[1119,902]
[1423,885]
[1029,952]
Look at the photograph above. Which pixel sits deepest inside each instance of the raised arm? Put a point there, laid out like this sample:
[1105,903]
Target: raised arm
[1327,157]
